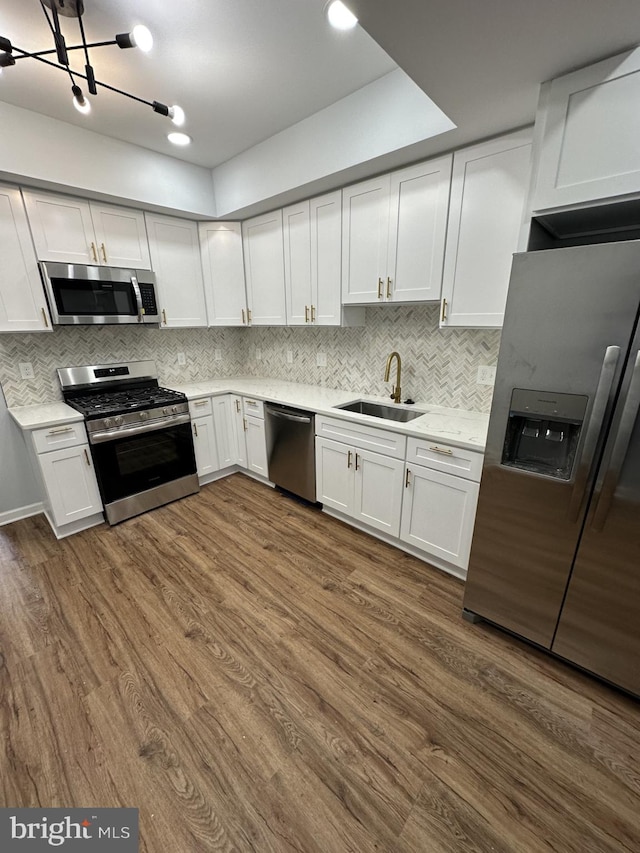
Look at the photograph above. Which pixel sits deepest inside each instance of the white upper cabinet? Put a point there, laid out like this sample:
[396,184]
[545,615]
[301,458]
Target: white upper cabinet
[312,264]
[175,253]
[22,302]
[488,191]
[393,235]
[264,269]
[75,231]
[223,269]
[589,125]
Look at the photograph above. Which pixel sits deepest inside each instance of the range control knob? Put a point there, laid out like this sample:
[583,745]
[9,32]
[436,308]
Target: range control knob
[165,411]
[174,409]
[107,423]
[118,420]
[144,416]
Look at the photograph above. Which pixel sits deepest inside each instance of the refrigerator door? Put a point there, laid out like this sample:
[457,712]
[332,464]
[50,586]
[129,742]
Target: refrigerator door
[568,327]
[599,626]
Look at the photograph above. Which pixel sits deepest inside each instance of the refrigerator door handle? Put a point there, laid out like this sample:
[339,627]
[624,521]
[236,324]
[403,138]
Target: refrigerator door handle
[600,401]
[620,447]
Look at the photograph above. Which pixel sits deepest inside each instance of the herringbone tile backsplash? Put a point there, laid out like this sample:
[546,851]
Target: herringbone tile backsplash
[438,366]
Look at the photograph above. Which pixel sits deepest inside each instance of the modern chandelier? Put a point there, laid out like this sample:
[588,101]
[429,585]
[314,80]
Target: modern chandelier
[139,37]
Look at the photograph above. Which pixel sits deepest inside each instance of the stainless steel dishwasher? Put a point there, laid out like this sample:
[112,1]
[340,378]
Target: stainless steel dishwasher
[291,454]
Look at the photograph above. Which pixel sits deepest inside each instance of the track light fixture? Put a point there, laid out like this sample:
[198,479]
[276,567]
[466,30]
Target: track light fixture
[139,37]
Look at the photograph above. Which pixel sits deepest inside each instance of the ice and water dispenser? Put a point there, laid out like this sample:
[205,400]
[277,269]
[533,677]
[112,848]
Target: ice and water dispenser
[543,432]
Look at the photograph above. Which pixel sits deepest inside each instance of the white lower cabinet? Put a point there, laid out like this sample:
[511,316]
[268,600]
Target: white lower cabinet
[256,445]
[204,444]
[213,435]
[223,429]
[238,432]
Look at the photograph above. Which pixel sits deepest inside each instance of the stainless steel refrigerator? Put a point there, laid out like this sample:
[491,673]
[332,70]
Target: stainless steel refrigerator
[556,549]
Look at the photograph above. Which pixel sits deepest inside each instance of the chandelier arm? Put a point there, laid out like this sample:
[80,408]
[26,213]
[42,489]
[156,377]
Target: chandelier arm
[37,53]
[58,40]
[91,77]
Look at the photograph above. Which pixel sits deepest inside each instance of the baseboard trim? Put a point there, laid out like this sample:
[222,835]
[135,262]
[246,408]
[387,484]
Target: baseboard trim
[12,515]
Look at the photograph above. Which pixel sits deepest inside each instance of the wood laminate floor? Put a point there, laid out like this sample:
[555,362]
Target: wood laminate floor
[255,676]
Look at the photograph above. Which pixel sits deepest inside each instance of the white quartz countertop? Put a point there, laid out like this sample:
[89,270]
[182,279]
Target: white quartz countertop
[458,427]
[455,426]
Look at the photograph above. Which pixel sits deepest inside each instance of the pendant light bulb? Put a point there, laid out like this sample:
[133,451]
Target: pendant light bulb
[142,38]
[339,16]
[177,116]
[79,101]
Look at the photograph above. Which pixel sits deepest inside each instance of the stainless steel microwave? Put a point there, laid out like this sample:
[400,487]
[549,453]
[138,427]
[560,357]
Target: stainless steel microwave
[90,295]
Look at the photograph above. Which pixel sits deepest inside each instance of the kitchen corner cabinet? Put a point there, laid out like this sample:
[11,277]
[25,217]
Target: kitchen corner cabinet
[488,190]
[589,126]
[393,235]
[213,439]
[223,270]
[264,269]
[239,442]
[175,254]
[23,307]
[312,264]
[76,231]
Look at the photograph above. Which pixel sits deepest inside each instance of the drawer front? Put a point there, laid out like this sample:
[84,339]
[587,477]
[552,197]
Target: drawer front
[365,437]
[200,408]
[59,437]
[253,407]
[445,458]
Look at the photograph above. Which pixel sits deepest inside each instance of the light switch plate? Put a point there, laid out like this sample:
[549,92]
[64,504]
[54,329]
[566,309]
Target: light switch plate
[26,370]
[258,354]
[486,375]
[289,356]
[217,354]
[182,358]
[321,359]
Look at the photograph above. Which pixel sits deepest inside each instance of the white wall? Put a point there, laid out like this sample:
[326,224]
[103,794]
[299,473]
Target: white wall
[43,151]
[384,116]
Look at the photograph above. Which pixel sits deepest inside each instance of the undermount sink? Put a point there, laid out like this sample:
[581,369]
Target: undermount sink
[379,410]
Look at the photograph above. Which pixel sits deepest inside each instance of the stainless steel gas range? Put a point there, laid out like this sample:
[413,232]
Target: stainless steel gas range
[139,435]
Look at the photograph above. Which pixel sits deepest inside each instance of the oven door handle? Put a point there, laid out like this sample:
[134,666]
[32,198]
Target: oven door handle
[138,295]
[139,429]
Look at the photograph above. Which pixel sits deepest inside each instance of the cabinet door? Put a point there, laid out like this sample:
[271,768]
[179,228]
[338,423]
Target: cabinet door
[378,490]
[204,444]
[238,433]
[256,446]
[71,484]
[365,228]
[334,475]
[22,302]
[488,191]
[62,228]
[223,427]
[264,268]
[223,269]
[297,263]
[438,514]
[419,202]
[175,254]
[590,128]
[326,259]
[121,236]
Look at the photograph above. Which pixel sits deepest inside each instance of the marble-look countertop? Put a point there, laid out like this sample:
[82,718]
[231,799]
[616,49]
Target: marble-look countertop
[457,427]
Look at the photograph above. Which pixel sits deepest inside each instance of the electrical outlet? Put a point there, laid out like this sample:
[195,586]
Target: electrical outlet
[289,356]
[486,375]
[217,354]
[258,354]
[26,370]
[181,358]
[321,359]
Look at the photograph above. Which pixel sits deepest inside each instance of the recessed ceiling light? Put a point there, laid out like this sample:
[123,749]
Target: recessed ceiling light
[339,16]
[179,138]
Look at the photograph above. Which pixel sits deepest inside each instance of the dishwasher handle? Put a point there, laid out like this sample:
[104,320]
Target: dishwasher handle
[288,416]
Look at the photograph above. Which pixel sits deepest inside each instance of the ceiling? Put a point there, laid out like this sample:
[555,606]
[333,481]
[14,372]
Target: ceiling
[244,70]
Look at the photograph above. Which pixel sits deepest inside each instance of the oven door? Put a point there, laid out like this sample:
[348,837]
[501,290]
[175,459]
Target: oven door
[148,463]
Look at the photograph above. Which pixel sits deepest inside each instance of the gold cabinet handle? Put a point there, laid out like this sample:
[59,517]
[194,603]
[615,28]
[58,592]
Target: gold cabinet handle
[86,457]
[238,406]
[243,320]
[407,479]
[60,430]
[248,315]
[306,313]
[388,288]
[380,286]
[164,317]
[349,455]
[313,313]
[104,252]
[44,317]
[94,253]
[444,450]
[443,316]
[244,422]
[195,430]
[199,403]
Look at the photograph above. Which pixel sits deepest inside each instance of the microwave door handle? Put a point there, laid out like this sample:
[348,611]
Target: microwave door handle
[138,295]
[620,447]
[594,428]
